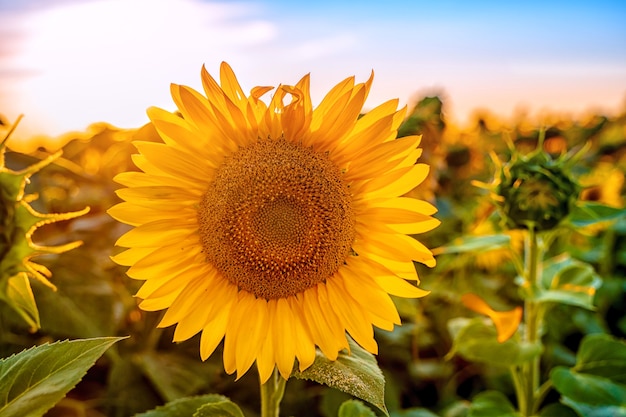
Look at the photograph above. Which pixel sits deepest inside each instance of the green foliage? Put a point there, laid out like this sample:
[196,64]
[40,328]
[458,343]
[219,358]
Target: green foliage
[568,281]
[596,384]
[557,410]
[200,406]
[355,372]
[476,340]
[476,243]
[173,376]
[492,404]
[354,408]
[225,408]
[32,381]
[19,295]
[95,298]
[414,412]
[589,213]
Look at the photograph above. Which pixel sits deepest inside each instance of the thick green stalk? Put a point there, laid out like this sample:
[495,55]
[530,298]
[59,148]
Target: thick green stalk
[530,371]
[272,394]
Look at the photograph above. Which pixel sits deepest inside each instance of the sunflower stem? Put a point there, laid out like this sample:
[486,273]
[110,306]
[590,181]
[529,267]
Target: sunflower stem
[272,394]
[533,315]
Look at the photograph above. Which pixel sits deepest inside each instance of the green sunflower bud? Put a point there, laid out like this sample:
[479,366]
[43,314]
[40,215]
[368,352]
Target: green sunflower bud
[535,190]
[18,222]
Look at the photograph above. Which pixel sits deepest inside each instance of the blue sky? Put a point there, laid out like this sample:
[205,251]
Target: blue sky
[67,63]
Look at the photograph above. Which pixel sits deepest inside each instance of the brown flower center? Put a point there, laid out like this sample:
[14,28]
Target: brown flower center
[277,219]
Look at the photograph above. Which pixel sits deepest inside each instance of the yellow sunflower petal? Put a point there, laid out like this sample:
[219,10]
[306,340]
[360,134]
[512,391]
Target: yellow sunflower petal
[396,247]
[396,183]
[253,327]
[505,322]
[266,361]
[230,85]
[361,331]
[285,332]
[129,256]
[305,347]
[215,328]
[135,215]
[364,290]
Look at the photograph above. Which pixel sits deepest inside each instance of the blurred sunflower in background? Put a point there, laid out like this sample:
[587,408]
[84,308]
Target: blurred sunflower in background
[18,222]
[276,227]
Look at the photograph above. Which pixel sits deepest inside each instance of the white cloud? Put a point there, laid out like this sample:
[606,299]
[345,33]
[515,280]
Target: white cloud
[111,59]
[322,47]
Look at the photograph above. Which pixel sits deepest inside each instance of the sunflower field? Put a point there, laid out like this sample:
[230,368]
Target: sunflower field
[242,257]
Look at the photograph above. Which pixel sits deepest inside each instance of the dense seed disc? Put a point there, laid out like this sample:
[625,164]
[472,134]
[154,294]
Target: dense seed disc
[277,219]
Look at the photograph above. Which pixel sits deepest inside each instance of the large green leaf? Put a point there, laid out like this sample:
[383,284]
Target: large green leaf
[568,281]
[476,243]
[355,373]
[32,381]
[354,408]
[492,404]
[588,389]
[602,355]
[588,213]
[594,411]
[224,408]
[595,385]
[186,407]
[476,340]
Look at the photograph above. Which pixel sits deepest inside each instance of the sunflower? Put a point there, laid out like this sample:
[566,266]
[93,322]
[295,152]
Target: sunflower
[18,222]
[274,226]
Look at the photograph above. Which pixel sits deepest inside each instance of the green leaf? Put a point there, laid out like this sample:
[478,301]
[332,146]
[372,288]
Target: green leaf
[568,281]
[557,410]
[86,304]
[224,408]
[185,407]
[595,411]
[128,391]
[32,381]
[20,297]
[476,243]
[492,404]
[476,340]
[588,389]
[356,374]
[414,412]
[588,213]
[354,408]
[602,355]
[172,375]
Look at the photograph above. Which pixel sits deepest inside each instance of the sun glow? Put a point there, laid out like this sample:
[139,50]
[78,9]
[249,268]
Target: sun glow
[102,60]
